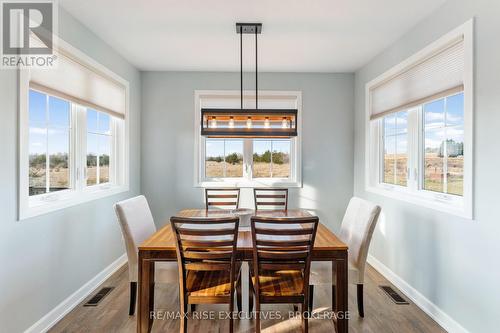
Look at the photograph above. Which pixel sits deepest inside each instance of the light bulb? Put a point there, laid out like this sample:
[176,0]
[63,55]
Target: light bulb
[213,123]
[249,122]
[266,122]
[284,123]
[231,122]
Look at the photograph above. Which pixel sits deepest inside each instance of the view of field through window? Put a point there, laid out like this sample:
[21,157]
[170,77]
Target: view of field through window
[444,145]
[271,159]
[224,158]
[49,143]
[443,148]
[98,147]
[396,148]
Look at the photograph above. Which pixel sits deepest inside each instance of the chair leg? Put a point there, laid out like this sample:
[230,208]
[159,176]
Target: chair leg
[361,309]
[231,309]
[251,292]
[334,298]
[311,297]
[257,315]
[133,295]
[183,308]
[304,317]
[239,299]
[295,308]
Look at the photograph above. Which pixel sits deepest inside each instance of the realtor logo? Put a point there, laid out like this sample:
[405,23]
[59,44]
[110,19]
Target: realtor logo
[27,33]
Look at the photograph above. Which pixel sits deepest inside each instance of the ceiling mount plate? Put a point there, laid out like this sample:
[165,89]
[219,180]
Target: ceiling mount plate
[248,28]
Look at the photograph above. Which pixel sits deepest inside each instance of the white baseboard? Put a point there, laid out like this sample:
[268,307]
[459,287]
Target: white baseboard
[56,314]
[443,319]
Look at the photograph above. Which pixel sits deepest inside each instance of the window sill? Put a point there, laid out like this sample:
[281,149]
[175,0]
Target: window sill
[236,182]
[57,201]
[444,203]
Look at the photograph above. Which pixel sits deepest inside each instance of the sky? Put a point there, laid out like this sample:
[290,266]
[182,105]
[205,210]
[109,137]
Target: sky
[442,120]
[56,134]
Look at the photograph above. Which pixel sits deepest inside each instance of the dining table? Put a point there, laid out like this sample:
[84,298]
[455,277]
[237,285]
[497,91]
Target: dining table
[161,247]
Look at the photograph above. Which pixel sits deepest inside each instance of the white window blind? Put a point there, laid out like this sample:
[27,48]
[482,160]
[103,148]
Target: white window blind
[74,80]
[438,75]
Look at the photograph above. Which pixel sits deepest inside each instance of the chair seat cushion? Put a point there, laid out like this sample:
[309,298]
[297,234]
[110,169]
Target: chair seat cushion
[210,283]
[280,283]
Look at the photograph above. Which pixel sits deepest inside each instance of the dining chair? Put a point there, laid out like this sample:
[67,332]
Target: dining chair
[356,231]
[206,259]
[282,251]
[137,224]
[270,198]
[226,198]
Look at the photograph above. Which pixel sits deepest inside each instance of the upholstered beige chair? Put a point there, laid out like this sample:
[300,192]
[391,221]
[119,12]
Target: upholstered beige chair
[356,231]
[137,225]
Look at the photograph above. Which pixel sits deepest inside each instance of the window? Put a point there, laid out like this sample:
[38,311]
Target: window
[224,158]
[419,139]
[444,145]
[271,158]
[247,162]
[73,140]
[395,149]
[52,163]
[49,144]
[99,140]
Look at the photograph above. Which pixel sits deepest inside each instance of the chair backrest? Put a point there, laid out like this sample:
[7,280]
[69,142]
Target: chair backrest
[283,244]
[205,244]
[137,225]
[270,198]
[357,229]
[225,198]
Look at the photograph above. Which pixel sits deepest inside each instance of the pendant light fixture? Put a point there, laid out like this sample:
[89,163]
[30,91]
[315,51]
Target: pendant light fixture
[249,122]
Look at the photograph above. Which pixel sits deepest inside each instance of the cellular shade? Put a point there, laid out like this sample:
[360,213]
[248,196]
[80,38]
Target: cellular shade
[74,80]
[438,75]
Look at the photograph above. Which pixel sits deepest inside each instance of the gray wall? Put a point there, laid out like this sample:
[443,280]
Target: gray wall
[47,258]
[168,139]
[450,260]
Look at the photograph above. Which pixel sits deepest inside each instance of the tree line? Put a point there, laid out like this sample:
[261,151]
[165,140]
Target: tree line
[60,160]
[235,158]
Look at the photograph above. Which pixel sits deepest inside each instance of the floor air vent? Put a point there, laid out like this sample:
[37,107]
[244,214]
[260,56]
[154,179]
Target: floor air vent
[393,295]
[99,296]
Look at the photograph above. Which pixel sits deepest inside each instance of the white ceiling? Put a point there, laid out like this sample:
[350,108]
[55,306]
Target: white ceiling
[297,35]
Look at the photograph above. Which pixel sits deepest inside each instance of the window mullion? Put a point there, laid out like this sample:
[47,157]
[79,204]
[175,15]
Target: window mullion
[445,148]
[271,166]
[47,148]
[73,153]
[413,149]
[81,146]
[248,159]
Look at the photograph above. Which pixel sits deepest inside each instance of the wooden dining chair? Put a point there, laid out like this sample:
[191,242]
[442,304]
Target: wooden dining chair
[137,224]
[356,231]
[270,198]
[282,249]
[206,258]
[225,198]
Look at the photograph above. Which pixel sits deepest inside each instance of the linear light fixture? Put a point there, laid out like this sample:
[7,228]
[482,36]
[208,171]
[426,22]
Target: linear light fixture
[271,123]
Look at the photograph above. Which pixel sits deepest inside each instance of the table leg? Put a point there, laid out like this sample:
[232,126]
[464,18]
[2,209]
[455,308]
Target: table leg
[334,281]
[146,294]
[341,294]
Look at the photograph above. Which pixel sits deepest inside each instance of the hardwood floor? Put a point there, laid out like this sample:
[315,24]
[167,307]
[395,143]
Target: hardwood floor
[381,314]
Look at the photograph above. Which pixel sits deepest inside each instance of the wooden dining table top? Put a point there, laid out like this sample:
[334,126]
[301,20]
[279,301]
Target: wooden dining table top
[163,239]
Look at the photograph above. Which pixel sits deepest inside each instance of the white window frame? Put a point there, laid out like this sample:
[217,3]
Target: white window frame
[295,179]
[414,193]
[31,206]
